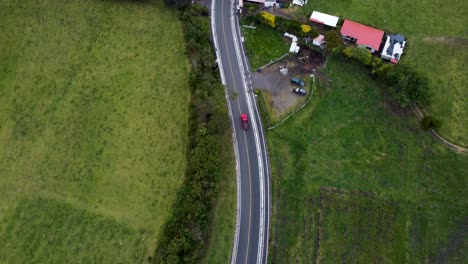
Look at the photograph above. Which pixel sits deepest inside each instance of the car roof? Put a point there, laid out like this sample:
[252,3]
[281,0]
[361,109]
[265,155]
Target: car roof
[244,117]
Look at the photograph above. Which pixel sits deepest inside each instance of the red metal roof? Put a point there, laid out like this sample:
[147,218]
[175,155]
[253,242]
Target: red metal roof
[365,35]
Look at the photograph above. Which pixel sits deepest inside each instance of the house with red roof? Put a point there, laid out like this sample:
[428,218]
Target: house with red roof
[363,35]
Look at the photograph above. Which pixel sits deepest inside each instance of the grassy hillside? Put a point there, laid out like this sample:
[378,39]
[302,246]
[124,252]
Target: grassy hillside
[93,128]
[438,47]
[356,181]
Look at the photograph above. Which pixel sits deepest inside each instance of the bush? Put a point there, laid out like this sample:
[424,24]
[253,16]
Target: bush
[408,86]
[313,32]
[361,54]
[185,234]
[380,69]
[306,28]
[251,8]
[268,18]
[179,4]
[430,122]
[334,41]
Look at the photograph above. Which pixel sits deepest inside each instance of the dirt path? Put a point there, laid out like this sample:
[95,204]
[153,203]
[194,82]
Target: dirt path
[446,40]
[436,135]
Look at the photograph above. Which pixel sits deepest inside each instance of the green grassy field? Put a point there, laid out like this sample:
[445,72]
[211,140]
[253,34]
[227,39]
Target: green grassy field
[437,46]
[93,128]
[264,45]
[355,181]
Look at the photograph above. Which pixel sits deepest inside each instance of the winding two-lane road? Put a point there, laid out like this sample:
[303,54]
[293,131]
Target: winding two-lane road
[253,185]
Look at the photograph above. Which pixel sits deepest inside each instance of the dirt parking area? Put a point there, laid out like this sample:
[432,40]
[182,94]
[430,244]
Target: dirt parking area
[275,79]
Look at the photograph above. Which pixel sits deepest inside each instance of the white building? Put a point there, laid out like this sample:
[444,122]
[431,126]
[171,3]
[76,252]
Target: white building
[325,19]
[266,3]
[393,48]
[299,2]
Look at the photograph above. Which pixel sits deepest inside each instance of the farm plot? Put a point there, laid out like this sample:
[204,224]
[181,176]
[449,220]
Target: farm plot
[436,47]
[356,180]
[263,45]
[93,128]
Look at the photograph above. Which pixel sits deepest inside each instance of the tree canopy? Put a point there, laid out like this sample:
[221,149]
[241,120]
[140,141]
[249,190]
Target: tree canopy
[179,4]
[333,40]
[408,86]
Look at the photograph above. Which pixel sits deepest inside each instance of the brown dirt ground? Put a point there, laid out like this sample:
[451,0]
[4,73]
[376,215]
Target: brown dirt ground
[278,86]
[446,40]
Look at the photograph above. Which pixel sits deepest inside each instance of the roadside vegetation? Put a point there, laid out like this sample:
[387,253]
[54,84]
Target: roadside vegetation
[93,128]
[437,48]
[204,213]
[355,179]
[406,86]
[263,45]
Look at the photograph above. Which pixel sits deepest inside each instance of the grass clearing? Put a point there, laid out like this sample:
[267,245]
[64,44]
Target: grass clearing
[93,115]
[53,229]
[354,182]
[436,47]
[264,44]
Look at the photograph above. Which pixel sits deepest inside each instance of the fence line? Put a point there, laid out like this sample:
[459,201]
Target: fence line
[297,110]
[273,62]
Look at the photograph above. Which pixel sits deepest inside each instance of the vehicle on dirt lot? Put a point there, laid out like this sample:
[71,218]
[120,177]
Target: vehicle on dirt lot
[245,121]
[299,91]
[297,81]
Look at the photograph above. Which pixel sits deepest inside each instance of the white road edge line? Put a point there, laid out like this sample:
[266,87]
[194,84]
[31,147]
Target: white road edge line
[257,144]
[236,150]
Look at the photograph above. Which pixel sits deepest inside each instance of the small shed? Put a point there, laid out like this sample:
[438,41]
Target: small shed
[393,48]
[299,2]
[319,40]
[294,47]
[324,19]
[291,36]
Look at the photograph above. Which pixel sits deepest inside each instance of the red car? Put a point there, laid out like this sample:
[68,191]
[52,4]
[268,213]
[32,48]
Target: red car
[245,121]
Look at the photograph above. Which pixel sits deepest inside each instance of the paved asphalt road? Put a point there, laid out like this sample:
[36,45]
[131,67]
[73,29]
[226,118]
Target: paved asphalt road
[253,184]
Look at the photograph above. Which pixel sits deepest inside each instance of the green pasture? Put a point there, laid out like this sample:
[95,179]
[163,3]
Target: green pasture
[93,128]
[437,46]
[264,44]
[356,180]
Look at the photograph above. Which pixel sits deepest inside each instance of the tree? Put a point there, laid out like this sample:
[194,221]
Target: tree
[361,54]
[379,68]
[179,4]
[408,86]
[334,41]
[430,122]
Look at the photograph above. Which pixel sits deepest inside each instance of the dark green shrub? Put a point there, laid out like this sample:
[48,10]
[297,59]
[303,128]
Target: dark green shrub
[408,86]
[430,122]
[179,4]
[361,54]
[380,69]
[185,234]
[334,41]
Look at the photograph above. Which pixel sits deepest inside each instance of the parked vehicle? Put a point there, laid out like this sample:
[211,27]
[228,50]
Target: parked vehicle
[297,81]
[245,121]
[299,91]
